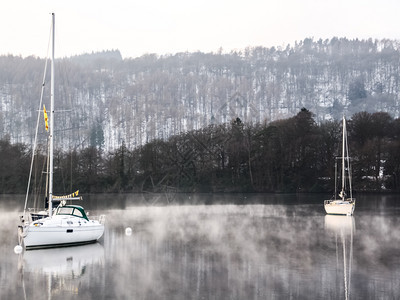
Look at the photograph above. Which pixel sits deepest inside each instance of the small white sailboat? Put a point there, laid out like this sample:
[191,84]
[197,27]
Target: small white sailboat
[67,224]
[346,204]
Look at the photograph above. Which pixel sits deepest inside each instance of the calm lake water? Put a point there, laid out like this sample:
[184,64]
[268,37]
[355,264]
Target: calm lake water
[214,247]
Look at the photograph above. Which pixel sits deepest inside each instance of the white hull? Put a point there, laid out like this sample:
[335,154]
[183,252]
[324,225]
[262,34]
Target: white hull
[58,232]
[340,207]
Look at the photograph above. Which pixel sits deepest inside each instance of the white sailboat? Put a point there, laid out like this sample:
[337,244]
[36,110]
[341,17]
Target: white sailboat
[346,204]
[67,224]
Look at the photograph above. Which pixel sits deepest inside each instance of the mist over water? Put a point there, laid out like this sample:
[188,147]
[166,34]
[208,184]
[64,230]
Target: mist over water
[274,248]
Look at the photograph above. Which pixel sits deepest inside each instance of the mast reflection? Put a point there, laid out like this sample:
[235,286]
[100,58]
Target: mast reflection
[343,229]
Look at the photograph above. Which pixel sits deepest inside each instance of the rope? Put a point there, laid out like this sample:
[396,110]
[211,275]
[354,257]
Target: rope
[37,123]
[349,168]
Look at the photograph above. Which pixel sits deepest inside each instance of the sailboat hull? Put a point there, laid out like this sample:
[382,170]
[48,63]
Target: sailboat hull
[41,235]
[340,207]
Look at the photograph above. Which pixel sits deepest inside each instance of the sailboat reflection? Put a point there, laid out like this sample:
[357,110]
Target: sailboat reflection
[64,269]
[343,227]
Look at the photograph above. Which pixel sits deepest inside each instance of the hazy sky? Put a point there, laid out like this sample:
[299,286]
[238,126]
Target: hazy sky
[170,26]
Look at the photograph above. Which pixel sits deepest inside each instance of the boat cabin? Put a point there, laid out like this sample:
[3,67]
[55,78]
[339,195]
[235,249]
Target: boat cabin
[72,210]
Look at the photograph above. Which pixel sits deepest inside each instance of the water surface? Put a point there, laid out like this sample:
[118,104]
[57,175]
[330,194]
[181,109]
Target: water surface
[275,247]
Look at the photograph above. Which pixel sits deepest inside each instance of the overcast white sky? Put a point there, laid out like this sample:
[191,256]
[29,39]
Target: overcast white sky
[170,26]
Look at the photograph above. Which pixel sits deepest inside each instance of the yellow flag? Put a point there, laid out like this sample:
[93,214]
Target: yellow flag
[45,118]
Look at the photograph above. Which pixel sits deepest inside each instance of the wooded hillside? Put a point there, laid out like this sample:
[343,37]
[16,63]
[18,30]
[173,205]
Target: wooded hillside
[105,101]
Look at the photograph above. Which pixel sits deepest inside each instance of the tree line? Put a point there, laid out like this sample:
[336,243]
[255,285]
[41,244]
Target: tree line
[296,154]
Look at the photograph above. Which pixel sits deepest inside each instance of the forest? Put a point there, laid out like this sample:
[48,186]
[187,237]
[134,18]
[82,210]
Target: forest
[103,100]
[295,154]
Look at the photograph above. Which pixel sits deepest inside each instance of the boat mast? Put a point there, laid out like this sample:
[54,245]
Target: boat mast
[343,159]
[336,175]
[349,168]
[51,118]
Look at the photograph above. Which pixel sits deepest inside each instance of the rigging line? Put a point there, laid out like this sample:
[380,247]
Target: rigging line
[349,168]
[40,186]
[37,122]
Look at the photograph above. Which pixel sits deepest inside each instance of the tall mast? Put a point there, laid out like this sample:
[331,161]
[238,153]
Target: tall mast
[343,153]
[51,117]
